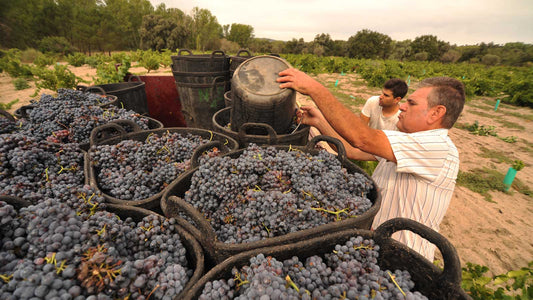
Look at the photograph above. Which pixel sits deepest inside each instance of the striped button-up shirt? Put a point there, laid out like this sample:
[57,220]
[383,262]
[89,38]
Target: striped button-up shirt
[419,185]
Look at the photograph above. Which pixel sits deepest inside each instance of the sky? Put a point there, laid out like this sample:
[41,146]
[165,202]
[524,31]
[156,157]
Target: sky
[454,21]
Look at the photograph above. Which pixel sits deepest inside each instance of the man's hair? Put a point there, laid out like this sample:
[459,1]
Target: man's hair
[449,92]
[397,86]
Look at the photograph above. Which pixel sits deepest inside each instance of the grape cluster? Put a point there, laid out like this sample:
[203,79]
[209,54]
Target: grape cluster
[69,247]
[31,169]
[351,271]
[72,115]
[267,192]
[135,170]
[7,125]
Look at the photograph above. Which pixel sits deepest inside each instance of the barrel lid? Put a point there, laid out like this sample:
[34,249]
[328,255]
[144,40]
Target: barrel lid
[258,75]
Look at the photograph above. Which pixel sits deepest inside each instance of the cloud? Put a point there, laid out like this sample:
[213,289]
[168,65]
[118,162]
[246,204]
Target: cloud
[454,21]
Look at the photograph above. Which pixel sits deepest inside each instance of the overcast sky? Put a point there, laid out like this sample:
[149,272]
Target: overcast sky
[457,22]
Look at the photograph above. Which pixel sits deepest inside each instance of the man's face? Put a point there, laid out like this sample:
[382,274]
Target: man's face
[386,98]
[414,111]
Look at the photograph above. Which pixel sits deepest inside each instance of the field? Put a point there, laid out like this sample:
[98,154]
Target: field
[491,228]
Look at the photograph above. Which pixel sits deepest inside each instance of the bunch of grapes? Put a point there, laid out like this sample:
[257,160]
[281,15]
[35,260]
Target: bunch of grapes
[267,192]
[69,247]
[72,115]
[351,271]
[135,170]
[31,169]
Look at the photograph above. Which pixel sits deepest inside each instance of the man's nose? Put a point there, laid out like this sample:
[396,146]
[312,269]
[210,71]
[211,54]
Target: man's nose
[403,106]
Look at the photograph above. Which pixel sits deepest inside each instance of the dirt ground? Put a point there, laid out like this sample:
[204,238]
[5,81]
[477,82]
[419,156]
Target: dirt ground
[496,234]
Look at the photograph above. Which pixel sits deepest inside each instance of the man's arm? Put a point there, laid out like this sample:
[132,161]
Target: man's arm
[364,118]
[312,116]
[342,120]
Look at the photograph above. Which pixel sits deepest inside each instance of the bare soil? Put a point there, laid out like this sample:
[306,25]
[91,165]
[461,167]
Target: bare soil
[498,233]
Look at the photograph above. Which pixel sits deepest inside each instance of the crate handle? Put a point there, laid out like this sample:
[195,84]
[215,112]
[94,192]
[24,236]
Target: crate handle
[201,149]
[452,264]
[7,115]
[341,151]
[218,52]
[243,51]
[184,50]
[97,88]
[102,132]
[272,136]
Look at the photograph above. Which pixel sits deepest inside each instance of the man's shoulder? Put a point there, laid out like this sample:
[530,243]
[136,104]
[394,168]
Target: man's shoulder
[373,99]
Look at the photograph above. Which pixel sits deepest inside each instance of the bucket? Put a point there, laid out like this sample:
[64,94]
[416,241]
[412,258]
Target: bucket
[256,96]
[163,100]
[131,95]
[264,134]
[173,204]
[200,101]
[429,280]
[187,62]
[152,202]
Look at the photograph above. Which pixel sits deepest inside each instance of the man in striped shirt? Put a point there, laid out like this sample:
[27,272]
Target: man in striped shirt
[418,164]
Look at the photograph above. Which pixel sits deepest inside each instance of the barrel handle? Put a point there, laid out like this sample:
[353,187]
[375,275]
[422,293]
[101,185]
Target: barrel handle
[214,53]
[274,54]
[101,132]
[127,122]
[184,50]
[243,51]
[81,87]
[272,135]
[201,149]
[23,110]
[136,77]
[7,115]
[452,264]
[341,151]
[97,88]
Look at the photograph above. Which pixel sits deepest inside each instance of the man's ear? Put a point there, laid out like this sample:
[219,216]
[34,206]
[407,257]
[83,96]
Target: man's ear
[397,100]
[437,113]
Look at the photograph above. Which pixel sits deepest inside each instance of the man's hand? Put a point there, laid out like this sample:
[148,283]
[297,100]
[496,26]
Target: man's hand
[297,80]
[310,115]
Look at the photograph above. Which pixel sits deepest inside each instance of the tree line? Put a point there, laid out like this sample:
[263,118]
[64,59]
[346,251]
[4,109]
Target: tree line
[88,26]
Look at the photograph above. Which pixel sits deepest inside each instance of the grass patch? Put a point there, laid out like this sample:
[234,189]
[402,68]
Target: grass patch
[496,155]
[483,180]
[528,148]
[6,106]
[508,124]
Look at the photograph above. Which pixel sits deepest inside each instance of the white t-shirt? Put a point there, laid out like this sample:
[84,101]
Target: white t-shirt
[420,185]
[372,110]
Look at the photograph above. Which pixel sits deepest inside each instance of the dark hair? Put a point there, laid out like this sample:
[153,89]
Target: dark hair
[449,92]
[397,86]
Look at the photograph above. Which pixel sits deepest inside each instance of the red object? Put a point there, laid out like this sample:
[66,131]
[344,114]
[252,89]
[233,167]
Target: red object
[163,100]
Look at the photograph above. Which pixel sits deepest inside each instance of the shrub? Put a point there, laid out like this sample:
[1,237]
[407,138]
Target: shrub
[21,84]
[29,55]
[77,59]
[55,44]
[44,60]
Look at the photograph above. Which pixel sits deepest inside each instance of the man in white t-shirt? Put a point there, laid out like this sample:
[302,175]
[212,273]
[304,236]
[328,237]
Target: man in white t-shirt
[418,164]
[381,112]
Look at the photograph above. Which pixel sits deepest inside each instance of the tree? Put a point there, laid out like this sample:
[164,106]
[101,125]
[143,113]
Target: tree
[369,44]
[323,43]
[166,29]
[206,31]
[431,45]
[450,56]
[401,50]
[241,34]
[295,46]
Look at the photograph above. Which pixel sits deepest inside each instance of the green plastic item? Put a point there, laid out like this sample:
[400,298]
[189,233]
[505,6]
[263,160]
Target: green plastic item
[509,177]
